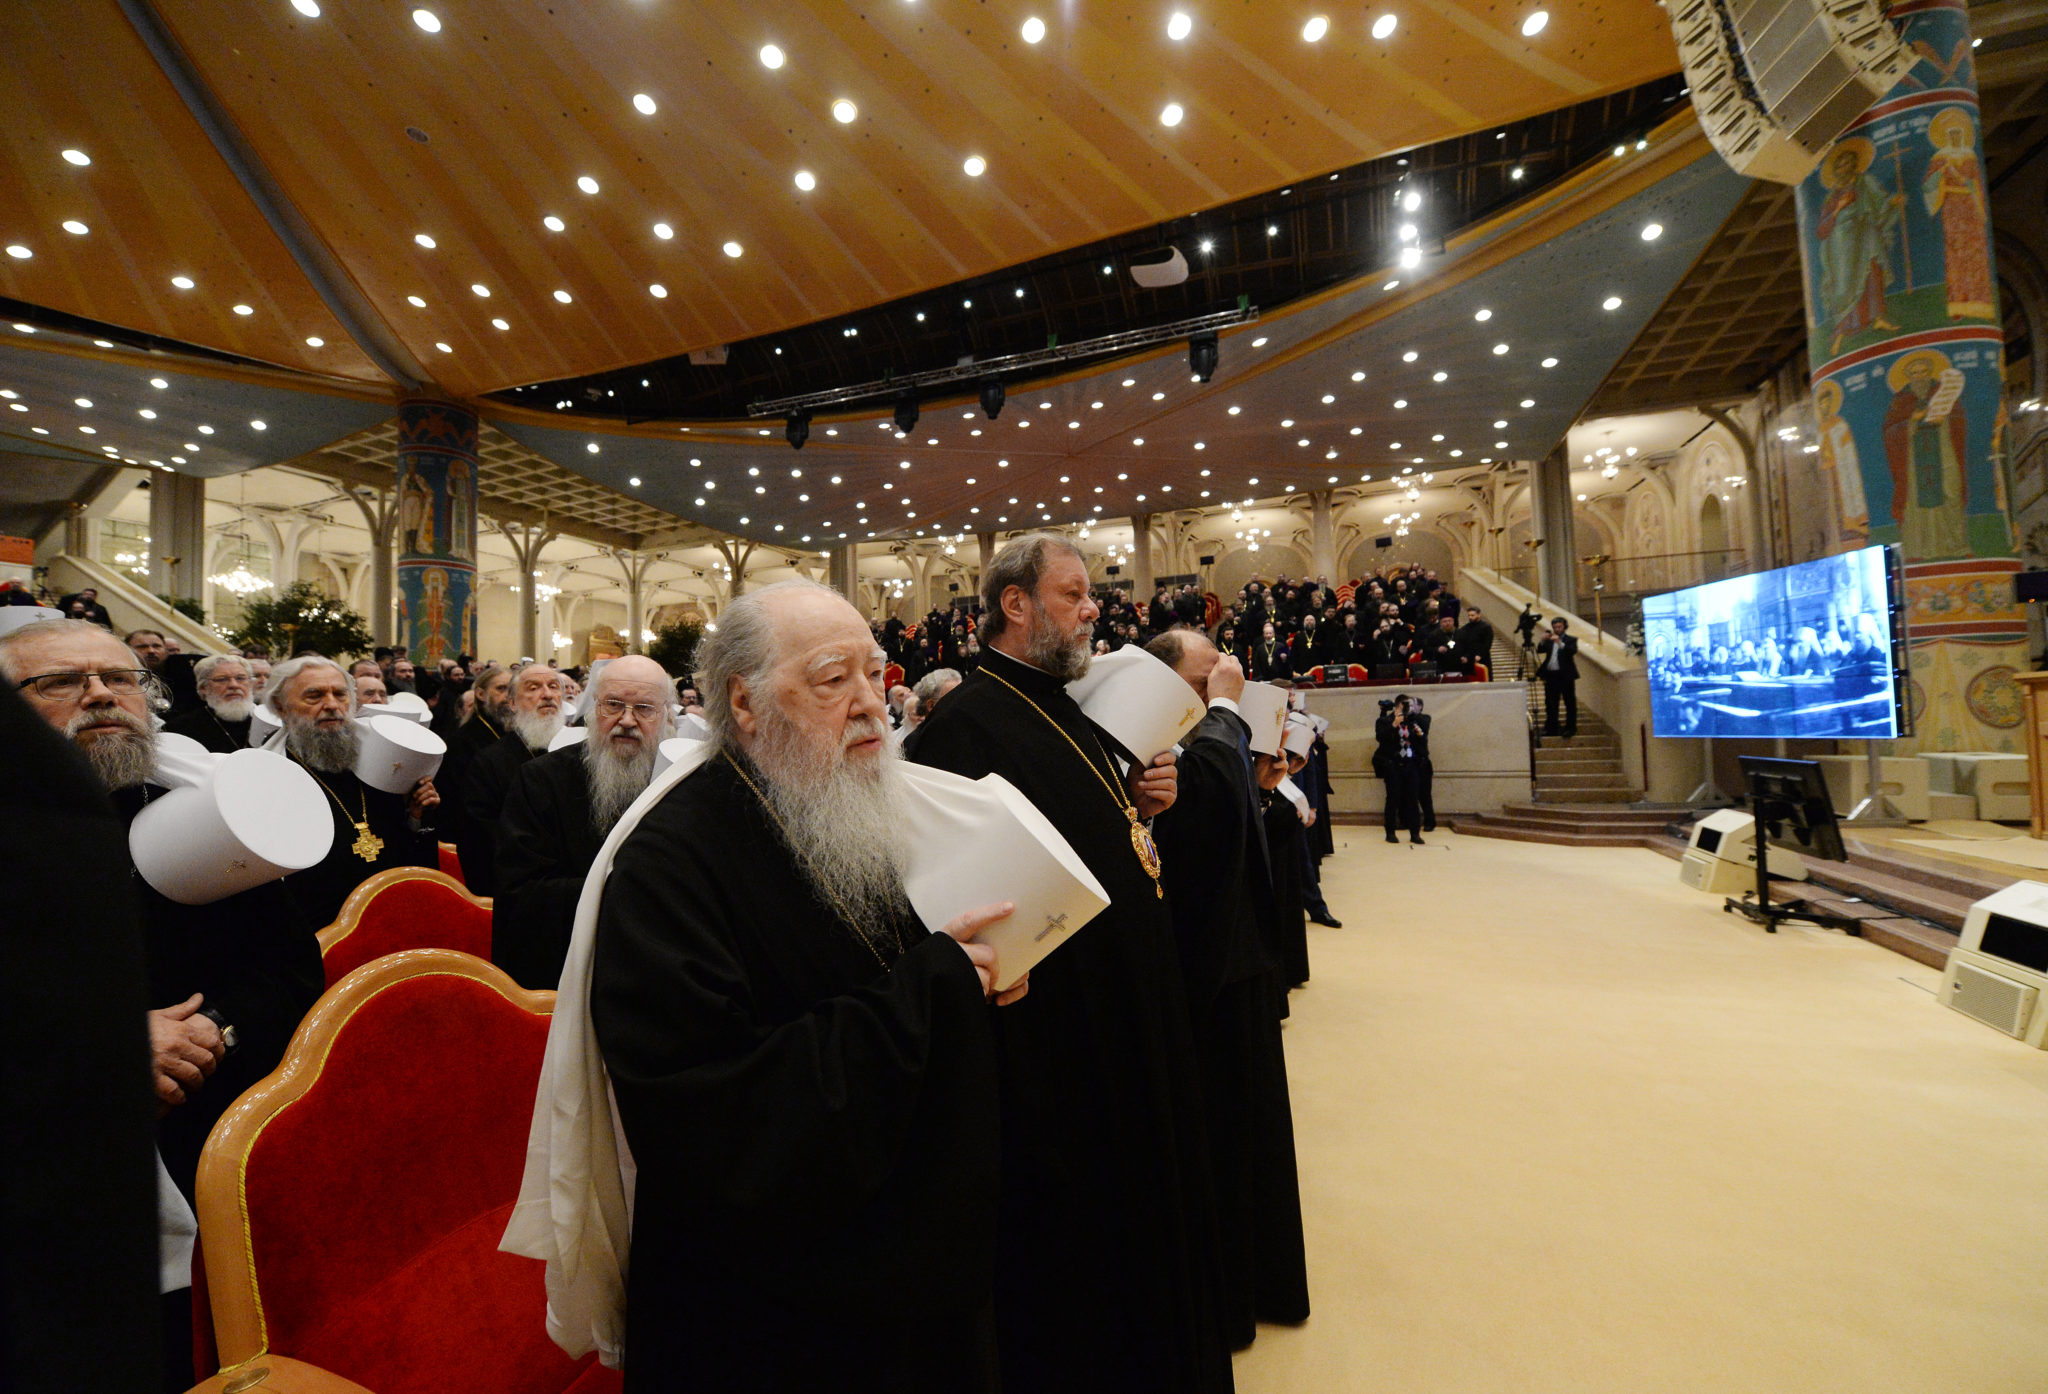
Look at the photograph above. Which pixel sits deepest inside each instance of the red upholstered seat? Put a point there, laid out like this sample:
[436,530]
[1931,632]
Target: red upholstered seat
[351,1203]
[892,676]
[1481,673]
[407,907]
[1356,672]
[451,864]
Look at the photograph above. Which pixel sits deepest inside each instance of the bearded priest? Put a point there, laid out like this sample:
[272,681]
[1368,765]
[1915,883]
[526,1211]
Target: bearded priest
[561,807]
[1107,1274]
[373,831]
[806,1078]
[221,720]
[534,716]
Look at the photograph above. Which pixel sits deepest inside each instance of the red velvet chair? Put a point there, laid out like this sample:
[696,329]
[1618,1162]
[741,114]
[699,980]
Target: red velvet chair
[1357,672]
[351,1204]
[892,676]
[407,907]
[451,863]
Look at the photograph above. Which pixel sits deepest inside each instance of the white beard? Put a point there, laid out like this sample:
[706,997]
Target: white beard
[236,709]
[615,779]
[840,817]
[330,750]
[121,761]
[1065,656]
[537,730]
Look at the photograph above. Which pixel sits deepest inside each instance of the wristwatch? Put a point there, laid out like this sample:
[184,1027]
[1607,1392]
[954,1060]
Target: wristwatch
[227,1031]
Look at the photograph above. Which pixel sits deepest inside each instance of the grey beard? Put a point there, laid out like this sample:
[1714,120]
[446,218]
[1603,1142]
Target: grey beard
[235,710]
[1064,656]
[537,730]
[840,820]
[121,761]
[331,751]
[615,780]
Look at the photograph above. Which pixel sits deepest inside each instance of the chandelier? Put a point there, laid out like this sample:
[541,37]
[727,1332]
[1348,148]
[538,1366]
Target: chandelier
[242,581]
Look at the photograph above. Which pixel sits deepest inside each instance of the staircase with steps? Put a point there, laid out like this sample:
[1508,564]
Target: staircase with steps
[1584,769]
[1579,824]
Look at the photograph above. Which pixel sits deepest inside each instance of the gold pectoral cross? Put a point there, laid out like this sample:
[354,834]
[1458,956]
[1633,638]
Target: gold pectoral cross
[1147,850]
[368,845]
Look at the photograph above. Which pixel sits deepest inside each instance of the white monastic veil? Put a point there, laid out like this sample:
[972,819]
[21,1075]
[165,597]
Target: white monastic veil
[575,1210]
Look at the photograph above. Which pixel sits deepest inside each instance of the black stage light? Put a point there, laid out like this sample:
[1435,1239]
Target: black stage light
[1202,353]
[798,428]
[906,413]
[992,398]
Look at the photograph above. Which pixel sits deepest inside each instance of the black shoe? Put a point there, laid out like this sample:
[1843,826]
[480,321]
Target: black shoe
[1416,842]
[1331,923]
[1429,827]
[1392,838]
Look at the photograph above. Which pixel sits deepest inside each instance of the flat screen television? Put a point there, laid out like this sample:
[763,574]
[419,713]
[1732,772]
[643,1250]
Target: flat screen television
[1814,651]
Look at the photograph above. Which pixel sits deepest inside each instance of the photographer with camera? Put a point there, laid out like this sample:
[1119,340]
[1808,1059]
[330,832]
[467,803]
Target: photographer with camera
[1398,762]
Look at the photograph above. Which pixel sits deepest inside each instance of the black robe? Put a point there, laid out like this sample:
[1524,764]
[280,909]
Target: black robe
[1108,1278]
[470,740]
[255,957]
[1212,847]
[1287,926]
[321,889]
[544,847]
[221,737]
[816,1136]
[484,787]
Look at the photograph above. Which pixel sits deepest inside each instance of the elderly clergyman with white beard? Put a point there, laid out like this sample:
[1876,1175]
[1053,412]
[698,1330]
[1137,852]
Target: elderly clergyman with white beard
[247,964]
[373,831]
[221,721]
[806,1076]
[534,716]
[559,810]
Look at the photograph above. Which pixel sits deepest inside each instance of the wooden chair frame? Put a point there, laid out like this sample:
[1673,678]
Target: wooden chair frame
[232,1287]
[359,899]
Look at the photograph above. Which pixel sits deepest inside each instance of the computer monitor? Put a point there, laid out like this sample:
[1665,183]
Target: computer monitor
[1789,799]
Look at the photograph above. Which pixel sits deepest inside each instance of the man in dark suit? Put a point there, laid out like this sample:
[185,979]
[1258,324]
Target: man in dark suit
[1475,639]
[1557,662]
[1395,762]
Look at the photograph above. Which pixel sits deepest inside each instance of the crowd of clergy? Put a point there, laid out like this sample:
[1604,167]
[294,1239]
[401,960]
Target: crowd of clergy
[866,1157]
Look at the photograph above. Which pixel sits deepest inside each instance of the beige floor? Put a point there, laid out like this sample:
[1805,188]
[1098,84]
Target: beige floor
[1564,1125]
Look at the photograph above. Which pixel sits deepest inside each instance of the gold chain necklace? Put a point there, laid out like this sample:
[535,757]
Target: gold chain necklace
[1141,840]
[367,845]
[837,906]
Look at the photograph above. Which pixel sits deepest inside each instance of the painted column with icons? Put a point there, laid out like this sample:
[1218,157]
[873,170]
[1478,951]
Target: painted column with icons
[1906,348]
[436,480]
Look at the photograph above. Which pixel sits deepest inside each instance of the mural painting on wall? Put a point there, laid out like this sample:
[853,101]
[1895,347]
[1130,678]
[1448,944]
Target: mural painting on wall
[436,574]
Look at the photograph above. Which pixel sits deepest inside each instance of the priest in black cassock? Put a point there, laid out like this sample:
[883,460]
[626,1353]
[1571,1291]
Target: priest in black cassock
[373,831]
[807,1078]
[1108,1275]
[559,810]
[533,718]
[485,727]
[1212,846]
[221,720]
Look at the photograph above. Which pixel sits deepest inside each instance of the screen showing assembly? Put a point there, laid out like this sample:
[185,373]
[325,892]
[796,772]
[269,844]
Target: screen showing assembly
[1813,650]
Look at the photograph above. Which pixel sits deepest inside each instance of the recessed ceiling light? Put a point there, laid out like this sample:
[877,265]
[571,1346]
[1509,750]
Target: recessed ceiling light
[1383,27]
[1438,376]
[478,288]
[1179,26]
[442,347]
[415,302]
[563,296]
[1482,315]
[1171,114]
[1034,29]
[76,228]
[244,310]
[1358,376]
[1500,348]
[1652,231]
[1612,302]
[975,166]
[586,183]
[87,431]
[1314,30]
[1400,403]
[732,249]
[427,20]
[1259,342]
[182,282]
[591,447]
[1406,232]
[1528,402]
[204,430]
[1411,257]
[634,481]
[552,223]
[658,291]
[500,324]
[158,383]
[424,240]
[1550,362]
[1327,398]
[19,252]
[309,8]
[1391,285]
[85,402]
[259,426]
[1410,356]
[1412,200]
[664,231]
[806,180]
[844,111]
[1235,410]
[644,104]
[76,157]
[315,341]
[1533,25]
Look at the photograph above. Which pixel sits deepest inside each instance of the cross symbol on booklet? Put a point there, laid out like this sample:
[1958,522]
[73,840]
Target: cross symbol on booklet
[1054,924]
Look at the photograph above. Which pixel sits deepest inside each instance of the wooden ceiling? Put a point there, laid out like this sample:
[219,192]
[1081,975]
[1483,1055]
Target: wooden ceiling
[516,101]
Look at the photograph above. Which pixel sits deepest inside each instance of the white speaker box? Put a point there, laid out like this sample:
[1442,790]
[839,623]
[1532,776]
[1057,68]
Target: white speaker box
[1999,969]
